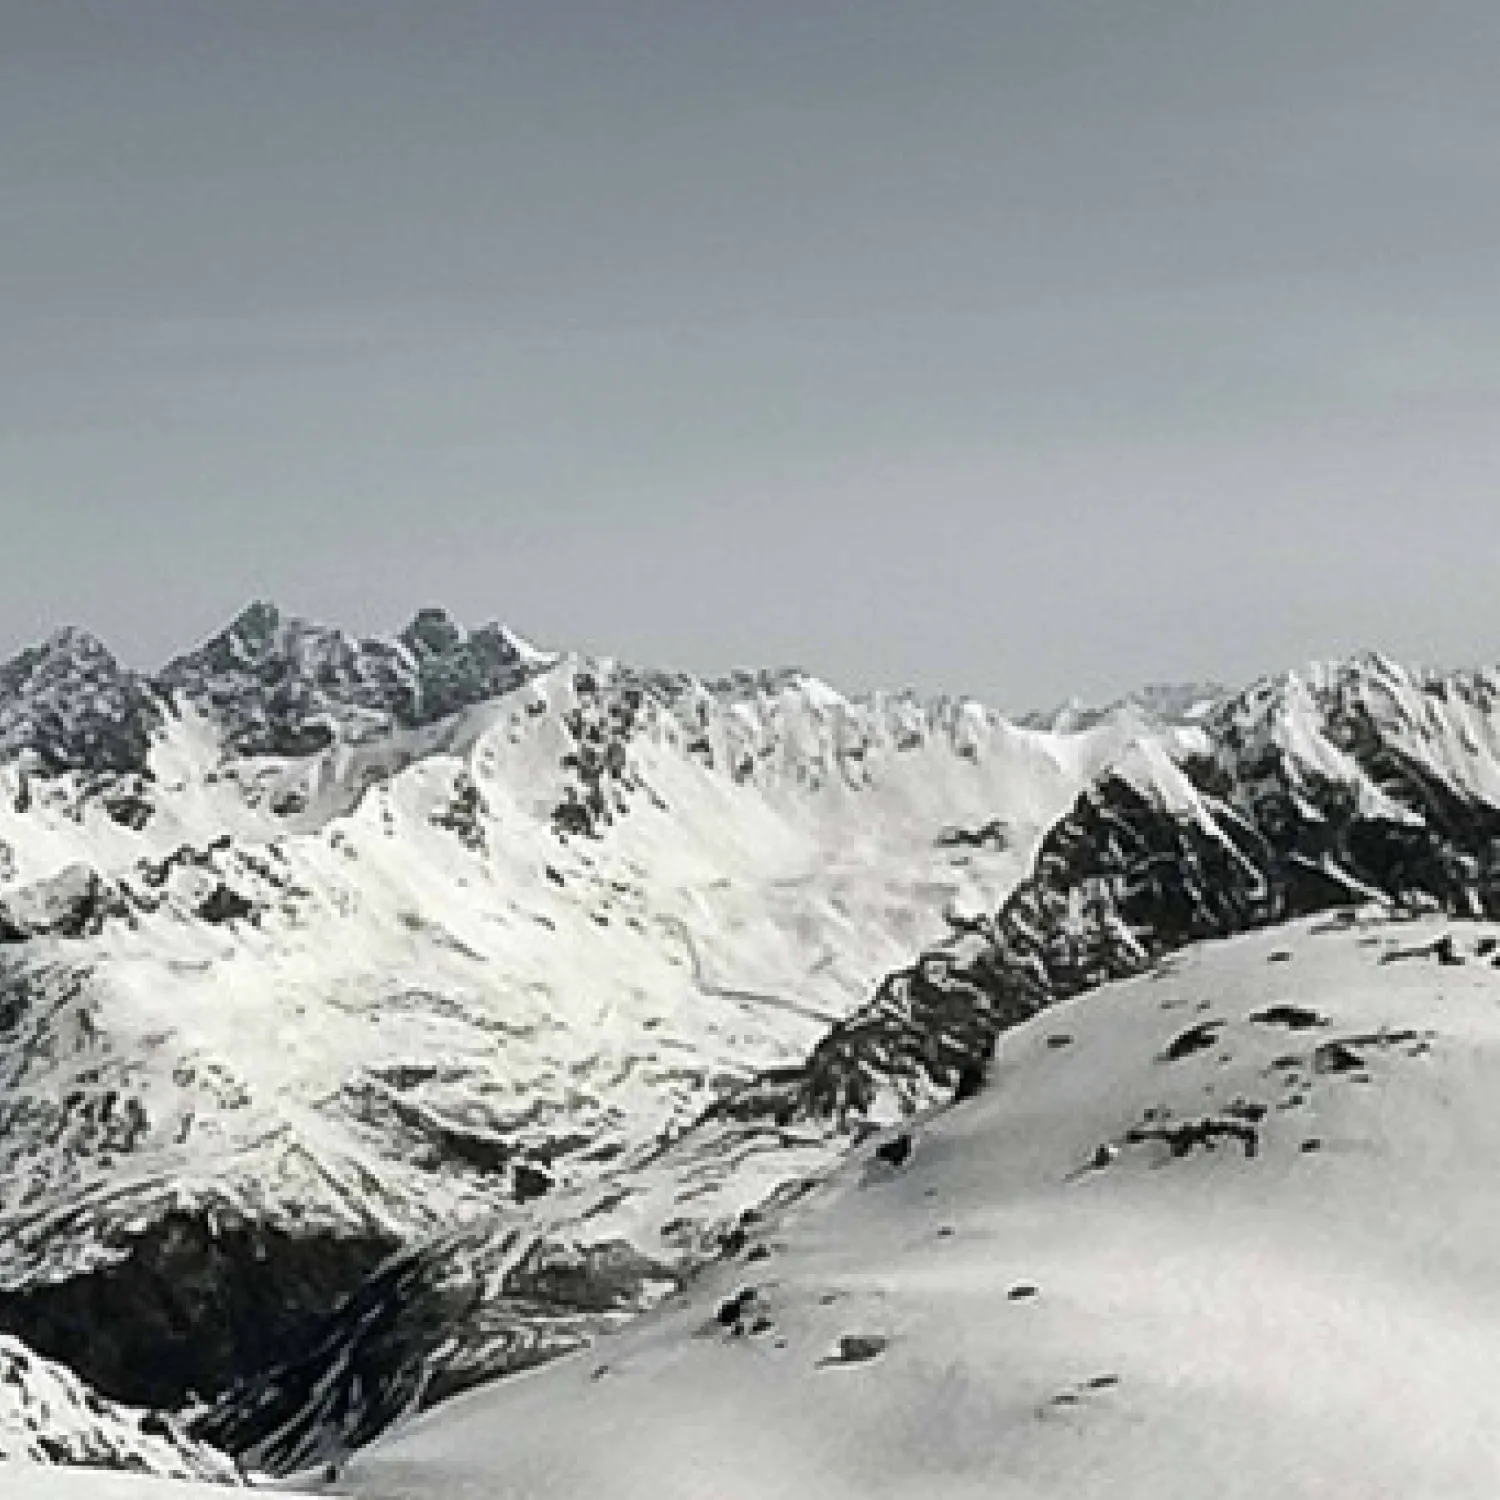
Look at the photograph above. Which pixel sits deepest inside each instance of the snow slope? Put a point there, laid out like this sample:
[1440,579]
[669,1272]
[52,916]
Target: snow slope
[377,1017]
[330,974]
[29,1481]
[1225,1228]
[48,1416]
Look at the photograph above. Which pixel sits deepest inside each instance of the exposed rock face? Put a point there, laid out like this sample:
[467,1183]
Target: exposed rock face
[283,686]
[74,707]
[454,671]
[430,1323]
[190,1306]
[276,685]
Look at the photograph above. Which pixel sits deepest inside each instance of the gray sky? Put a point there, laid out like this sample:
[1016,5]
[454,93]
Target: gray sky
[1016,348]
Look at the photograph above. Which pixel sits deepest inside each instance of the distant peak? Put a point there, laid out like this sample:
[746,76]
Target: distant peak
[71,640]
[432,632]
[71,703]
[259,620]
[68,644]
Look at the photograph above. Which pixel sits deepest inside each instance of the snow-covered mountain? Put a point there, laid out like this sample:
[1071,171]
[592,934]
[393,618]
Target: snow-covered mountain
[1174,841]
[380,949]
[1350,783]
[380,1016]
[1226,1228]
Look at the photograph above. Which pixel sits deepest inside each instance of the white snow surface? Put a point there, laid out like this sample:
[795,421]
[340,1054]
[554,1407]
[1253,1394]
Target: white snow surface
[31,1481]
[48,1416]
[429,953]
[1063,1307]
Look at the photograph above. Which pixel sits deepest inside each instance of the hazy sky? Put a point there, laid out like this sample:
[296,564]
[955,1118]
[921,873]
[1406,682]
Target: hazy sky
[1016,348]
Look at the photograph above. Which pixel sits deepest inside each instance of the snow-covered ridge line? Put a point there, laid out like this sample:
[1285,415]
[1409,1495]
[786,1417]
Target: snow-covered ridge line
[276,725]
[1353,782]
[272,684]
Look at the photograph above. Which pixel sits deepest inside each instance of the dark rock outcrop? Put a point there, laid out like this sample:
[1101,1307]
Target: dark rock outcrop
[1197,1038]
[428,1324]
[189,1307]
[283,686]
[71,705]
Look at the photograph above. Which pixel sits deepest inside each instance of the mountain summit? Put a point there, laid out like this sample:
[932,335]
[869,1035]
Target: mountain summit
[280,685]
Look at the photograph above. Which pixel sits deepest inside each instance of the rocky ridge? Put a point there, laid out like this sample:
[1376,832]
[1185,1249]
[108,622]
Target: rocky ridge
[1355,782]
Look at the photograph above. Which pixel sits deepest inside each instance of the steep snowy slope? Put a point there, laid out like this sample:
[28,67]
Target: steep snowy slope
[1226,1228]
[47,1416]
[411,976]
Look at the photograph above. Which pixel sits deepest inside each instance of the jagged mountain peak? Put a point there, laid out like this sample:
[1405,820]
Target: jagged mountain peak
[278,684]
[75,641]
[68,644]
[260,619]
[432,631]
[70,703]
[1357,701]
[1333,681]
[262,631]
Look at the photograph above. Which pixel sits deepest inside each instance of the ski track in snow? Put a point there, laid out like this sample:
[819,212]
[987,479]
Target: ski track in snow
[739,997]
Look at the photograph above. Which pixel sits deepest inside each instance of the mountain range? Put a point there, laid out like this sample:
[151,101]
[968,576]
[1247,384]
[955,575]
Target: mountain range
[380,1017]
